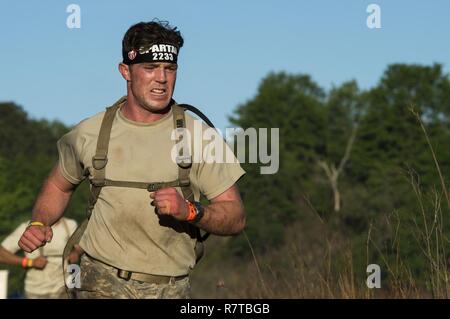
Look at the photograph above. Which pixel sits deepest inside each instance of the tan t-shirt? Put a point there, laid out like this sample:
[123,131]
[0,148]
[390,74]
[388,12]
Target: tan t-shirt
[50,279]
[124,230]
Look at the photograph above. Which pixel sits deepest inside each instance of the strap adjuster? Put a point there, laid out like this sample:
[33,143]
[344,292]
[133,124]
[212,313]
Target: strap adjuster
[98,182]
[99,161]
[184,182]
[125,275]
[184,161]
[153,187]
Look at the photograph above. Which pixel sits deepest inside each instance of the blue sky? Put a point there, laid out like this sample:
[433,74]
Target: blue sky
[67,74]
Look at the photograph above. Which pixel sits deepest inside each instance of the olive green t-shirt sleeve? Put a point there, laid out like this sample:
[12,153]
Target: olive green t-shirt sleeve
[215,177]
[70,163]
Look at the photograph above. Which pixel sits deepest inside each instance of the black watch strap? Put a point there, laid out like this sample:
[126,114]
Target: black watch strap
[200,212]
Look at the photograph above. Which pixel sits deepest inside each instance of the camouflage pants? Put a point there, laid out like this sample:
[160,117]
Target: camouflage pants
[60,294]
[99,281]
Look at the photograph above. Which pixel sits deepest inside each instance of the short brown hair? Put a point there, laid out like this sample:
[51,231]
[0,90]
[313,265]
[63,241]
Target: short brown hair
[147,33]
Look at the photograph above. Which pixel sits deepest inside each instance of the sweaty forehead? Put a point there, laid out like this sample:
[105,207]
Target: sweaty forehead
[153,64]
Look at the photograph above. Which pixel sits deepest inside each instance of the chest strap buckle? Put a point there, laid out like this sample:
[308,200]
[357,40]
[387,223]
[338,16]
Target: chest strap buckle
[152,187]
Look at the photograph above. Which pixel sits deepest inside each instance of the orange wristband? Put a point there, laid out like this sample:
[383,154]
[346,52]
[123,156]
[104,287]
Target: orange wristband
[24,262]
[192,211]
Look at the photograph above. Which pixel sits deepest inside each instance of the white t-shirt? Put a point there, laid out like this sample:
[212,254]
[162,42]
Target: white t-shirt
[50,279]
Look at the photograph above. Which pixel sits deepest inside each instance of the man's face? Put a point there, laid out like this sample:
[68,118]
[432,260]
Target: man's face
[152,84]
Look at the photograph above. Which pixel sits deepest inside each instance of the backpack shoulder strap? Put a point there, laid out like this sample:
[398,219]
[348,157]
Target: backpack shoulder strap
[184,162]
[184,158]
[100,159]
[99,162]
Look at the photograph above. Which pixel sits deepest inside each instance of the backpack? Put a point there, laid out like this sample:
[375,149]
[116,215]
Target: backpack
[100,160]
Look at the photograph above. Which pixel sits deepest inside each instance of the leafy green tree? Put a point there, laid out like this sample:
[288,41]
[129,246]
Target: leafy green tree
[294,104]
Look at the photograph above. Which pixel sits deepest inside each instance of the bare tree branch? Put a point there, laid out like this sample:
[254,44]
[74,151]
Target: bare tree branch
[333,173]
[348,148]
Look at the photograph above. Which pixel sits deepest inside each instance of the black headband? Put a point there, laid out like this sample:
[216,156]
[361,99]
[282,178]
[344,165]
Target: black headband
[153,53]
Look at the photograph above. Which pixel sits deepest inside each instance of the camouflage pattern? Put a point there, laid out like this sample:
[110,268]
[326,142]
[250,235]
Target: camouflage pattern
[61,294]
[99,281]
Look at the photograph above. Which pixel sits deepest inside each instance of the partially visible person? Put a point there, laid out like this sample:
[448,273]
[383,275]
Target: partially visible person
[44,278]
[7,257]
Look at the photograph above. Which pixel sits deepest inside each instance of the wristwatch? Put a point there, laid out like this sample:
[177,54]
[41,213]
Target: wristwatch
[200,211]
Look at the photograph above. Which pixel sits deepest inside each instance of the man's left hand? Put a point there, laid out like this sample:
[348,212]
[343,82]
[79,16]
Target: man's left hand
[169,202]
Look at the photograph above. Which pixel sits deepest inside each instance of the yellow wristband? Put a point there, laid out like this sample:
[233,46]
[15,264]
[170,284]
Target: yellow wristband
[36,224]
[30,263]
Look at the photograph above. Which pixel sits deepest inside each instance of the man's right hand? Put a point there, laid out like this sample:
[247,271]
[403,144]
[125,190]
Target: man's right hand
[39,262]
[35,237]
[75,254]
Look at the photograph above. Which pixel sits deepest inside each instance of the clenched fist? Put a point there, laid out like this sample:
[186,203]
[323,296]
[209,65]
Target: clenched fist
[169,202]
[35,237]
[39,262]
[75,254]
